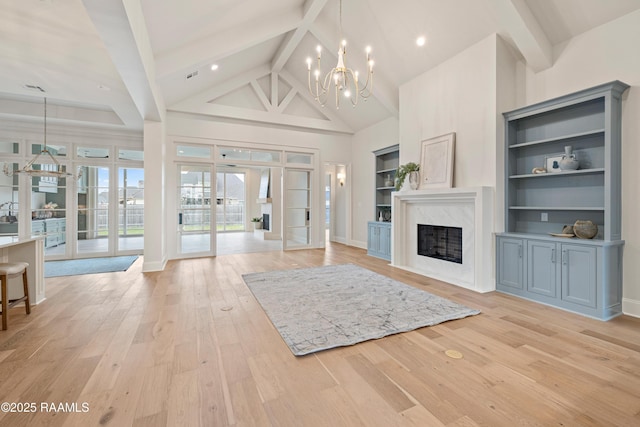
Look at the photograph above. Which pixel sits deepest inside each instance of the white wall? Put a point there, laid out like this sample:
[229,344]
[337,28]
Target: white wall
[458,96]
[606,53]
[362,182]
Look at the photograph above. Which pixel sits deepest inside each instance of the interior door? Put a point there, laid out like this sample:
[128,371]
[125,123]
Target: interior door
[194,216]
[298,214]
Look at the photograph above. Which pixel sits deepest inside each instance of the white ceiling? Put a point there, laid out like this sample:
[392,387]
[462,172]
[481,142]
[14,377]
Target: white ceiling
[109,63]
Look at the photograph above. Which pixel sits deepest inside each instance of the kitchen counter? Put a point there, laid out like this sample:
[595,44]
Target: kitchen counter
[27,249]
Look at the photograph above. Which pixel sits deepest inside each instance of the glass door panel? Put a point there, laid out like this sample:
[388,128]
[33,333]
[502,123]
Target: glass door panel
[9,201]
[93,211]
[49,211]
[130,209]
[194,209]
[297,209]
[230,201]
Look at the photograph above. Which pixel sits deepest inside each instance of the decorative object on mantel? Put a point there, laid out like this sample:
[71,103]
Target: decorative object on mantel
[49,166]
[257,223]
[436,161]
[569,161]
[585,229]
[404,171]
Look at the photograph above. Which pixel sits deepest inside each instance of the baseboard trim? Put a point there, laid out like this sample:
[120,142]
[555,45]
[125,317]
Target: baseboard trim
[358,244]
[148,267]
[631,307]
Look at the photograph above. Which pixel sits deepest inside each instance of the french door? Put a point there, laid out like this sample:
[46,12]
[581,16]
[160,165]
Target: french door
[230,201]
[297,208]
[195,219]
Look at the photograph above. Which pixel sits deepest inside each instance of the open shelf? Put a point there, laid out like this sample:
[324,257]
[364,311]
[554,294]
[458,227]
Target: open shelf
[564,138]
[556,174]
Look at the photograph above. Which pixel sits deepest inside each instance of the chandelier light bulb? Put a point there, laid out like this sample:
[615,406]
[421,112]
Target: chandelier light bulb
[371,64]
[368,50]
[420,41]
[347,93]
[319,50]
[309,64]
[344,43]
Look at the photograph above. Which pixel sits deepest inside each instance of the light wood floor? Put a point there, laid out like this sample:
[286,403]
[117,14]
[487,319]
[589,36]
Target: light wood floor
[190,346]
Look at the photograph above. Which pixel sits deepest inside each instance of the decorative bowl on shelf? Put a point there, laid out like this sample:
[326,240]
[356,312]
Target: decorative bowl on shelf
[567,229]
[585,229]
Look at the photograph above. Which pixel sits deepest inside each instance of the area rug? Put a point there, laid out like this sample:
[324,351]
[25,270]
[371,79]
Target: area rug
[74,267]
[319,308]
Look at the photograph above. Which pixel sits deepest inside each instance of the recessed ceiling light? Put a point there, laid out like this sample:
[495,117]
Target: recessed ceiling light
[214,67]
[420,41]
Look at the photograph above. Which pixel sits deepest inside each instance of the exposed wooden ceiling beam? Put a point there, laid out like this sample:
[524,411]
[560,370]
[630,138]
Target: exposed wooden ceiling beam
[223,88]
[122,28]
[526,33]
[312,9]
[268,117]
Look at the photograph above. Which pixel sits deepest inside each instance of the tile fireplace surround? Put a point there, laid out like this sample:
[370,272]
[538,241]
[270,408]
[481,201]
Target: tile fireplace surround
[469,208]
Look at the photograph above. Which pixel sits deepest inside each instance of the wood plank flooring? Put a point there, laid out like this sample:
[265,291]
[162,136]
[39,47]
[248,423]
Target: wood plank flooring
[190,346]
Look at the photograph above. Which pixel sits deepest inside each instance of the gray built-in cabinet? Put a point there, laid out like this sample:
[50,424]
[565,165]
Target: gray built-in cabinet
[379,230]
[580,275]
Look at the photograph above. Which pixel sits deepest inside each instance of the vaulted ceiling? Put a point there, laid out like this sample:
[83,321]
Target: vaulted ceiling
[115,63]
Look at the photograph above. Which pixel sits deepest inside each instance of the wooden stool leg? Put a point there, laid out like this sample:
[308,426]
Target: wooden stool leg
[5,302]
[25,282]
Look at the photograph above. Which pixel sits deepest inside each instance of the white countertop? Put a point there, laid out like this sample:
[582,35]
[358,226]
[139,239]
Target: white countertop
[6,241]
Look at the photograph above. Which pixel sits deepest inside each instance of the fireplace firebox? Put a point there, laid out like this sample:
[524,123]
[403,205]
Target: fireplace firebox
[440,242]
[265,222]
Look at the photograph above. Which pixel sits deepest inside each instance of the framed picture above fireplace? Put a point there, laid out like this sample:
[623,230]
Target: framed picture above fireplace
[436,162]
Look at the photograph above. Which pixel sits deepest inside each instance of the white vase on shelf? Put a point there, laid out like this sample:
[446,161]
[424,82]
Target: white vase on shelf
[414,179]
[569,161]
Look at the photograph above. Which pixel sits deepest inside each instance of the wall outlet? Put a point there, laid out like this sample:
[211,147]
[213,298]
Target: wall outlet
[544,217]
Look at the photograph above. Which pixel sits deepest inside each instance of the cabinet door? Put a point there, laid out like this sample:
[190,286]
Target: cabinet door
[510,262]
[542,271]
[385,241]
[579,269]
[373,242]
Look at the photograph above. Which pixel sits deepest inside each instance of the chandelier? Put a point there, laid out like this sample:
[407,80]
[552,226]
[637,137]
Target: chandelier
[56,170]
[344,80]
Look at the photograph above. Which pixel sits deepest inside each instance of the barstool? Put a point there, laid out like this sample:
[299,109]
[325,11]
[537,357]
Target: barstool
[10,270]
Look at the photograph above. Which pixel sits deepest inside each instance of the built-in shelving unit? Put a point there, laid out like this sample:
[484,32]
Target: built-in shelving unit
[387,161]
[582,275]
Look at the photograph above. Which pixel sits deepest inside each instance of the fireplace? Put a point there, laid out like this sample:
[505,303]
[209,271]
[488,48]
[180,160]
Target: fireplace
[265,221]
[445,243]
[469,211]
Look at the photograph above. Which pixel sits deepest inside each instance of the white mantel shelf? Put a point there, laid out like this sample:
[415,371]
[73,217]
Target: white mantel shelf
[470,208]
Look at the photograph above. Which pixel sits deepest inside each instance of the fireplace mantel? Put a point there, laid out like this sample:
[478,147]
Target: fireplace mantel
[469,208]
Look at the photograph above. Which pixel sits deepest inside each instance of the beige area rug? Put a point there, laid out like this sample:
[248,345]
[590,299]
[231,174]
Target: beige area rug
[319,308]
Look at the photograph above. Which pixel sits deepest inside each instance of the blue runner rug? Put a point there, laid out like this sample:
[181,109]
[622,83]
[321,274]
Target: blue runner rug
[88,266]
